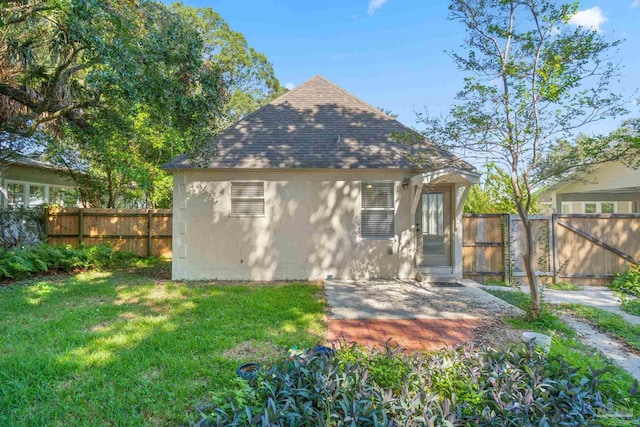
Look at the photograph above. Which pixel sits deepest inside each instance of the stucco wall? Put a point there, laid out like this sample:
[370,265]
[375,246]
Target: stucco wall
[610,176]
[599,186]
[310,228]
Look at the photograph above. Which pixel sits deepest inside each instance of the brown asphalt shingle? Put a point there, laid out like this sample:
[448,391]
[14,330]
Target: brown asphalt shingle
[319,125]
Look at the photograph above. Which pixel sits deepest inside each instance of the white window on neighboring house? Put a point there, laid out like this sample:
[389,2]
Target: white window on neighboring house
[15,194]
[608,207]
[37,195]
[591,207]
[31,194]
[377,215]
[247,198]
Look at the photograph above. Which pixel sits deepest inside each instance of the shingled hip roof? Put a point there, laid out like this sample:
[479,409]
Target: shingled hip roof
[319,125]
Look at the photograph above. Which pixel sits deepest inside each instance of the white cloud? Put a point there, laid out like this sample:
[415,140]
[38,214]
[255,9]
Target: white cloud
[375,5]
[289,85]
[635,3]
[589,18]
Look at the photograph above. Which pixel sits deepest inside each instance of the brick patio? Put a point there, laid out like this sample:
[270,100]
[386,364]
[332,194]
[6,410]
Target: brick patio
[412,334]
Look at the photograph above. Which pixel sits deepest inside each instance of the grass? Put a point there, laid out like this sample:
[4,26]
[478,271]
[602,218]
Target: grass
[563,286]
[609,323]
[494,282]
[566,344]
[122,348]
[631,306]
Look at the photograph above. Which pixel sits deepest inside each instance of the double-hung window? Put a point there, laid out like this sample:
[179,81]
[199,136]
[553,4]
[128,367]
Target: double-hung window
[247,198]
[377,210]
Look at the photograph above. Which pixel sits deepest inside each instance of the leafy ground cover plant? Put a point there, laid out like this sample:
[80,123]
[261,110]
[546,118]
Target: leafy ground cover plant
[628,282]
[19,263]
[566,345]
[466,386]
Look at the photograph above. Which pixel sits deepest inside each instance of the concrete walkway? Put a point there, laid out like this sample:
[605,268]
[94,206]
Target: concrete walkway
[595,296]
[416,316]
[610,347]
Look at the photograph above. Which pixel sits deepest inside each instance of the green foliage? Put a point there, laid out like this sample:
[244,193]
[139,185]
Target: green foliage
[495,194]
[466,386]
[18,263]
[531,83]
[628,282]
[565,345]
[547,322]
[118,95]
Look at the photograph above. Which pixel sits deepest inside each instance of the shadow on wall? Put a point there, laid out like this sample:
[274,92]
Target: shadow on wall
[311,226]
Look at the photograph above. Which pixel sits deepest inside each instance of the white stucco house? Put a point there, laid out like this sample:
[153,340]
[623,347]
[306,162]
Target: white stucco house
[609,188]
[317,185]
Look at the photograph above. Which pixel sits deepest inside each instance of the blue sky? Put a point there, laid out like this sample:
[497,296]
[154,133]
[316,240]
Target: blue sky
[391,53]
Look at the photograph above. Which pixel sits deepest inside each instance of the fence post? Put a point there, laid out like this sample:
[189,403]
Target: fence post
[149,229]
[46,223]
[554,246]
[506,247]
[80,225]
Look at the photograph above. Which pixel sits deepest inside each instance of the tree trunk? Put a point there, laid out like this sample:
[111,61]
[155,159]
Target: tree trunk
[529,266]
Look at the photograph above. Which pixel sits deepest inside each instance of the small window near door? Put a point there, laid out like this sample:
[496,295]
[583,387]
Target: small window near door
[247,199]
[377,211]
[590,208]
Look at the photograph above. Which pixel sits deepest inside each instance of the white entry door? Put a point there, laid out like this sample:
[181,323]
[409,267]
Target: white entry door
[436,227]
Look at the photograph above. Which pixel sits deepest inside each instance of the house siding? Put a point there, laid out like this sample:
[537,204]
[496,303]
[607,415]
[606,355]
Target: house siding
[31,174]
[310,229]
[611,182]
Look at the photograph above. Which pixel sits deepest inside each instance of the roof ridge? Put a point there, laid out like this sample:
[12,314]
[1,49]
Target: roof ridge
[365,103]
[253,113]
[381,113]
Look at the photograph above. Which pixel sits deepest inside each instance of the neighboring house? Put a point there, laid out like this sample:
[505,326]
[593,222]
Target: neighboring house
[26,182]
[609,188]
[315,185]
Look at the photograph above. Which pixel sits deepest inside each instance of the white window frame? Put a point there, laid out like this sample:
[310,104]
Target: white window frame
[232,198]
[583,207]
[26,192]
[391,209]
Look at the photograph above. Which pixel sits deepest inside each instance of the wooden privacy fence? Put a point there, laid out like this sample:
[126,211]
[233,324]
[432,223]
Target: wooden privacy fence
[145,232]
[583,249]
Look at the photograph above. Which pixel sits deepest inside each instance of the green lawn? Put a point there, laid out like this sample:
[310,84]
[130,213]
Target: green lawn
[123,348]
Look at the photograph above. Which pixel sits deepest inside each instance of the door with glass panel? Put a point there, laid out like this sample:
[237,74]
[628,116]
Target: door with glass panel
[436,227]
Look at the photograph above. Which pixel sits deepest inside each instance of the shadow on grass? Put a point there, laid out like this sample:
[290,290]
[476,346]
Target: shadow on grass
[120,349]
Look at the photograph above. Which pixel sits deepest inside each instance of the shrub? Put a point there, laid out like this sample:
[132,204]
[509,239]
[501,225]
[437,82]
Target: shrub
[628,282]
[466,386]
[19,263]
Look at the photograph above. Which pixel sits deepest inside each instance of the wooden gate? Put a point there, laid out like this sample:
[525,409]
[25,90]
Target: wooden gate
[584,249]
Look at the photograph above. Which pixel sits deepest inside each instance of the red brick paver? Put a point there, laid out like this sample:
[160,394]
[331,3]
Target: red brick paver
[412,334]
